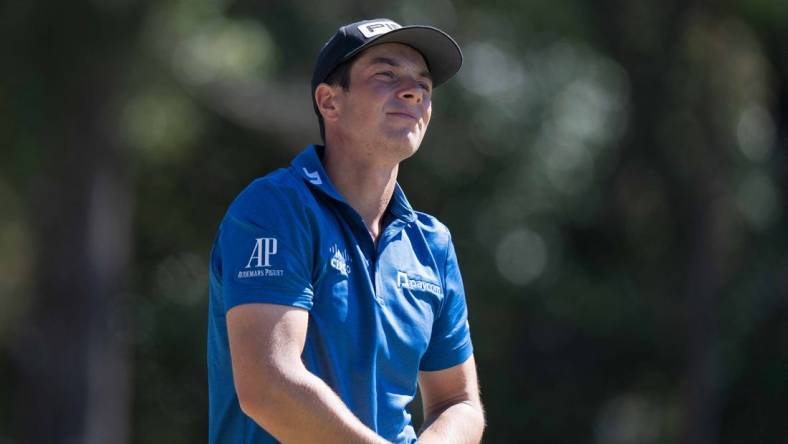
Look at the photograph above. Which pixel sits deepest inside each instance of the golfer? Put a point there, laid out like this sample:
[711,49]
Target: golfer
[331,300]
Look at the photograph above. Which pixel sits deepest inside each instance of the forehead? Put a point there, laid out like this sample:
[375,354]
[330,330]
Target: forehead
[398,52]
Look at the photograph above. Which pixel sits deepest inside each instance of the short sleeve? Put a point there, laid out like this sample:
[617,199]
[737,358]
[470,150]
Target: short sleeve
[450,343]
[265,251]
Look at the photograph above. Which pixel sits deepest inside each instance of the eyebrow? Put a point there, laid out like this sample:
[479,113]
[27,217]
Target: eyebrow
[392,62]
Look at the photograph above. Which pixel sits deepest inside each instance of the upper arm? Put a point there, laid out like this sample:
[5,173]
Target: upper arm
[265,251]
[266,342]
[439,389]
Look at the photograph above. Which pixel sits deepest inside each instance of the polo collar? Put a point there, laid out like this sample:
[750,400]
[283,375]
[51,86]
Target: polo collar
[309,167]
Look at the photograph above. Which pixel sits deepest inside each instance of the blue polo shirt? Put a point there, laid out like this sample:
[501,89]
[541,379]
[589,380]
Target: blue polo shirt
[378,313]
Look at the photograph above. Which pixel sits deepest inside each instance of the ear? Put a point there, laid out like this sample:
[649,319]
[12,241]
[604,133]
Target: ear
[326,100]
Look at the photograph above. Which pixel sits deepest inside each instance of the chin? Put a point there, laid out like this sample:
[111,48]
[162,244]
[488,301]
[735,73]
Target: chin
[413,146]
[405,141]
[406,147]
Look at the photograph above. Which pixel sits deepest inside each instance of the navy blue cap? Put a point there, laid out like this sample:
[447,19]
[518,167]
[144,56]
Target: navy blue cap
[440,51]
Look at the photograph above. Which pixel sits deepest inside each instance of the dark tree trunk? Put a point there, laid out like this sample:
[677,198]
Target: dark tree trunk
[73,353]
[653,55]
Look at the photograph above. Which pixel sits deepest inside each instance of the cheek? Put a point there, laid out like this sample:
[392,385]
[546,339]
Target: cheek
[427,114]
[361,111]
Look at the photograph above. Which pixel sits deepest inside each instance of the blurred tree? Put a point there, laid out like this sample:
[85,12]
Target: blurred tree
[696,70]
[73,349]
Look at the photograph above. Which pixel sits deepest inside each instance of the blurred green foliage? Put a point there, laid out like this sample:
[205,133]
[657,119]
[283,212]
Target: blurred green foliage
[614,174]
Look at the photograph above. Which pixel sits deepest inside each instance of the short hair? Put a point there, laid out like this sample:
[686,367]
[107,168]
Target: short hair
[339,76]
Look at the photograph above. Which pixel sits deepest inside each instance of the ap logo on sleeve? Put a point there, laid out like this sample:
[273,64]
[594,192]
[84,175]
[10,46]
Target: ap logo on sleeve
[260,260]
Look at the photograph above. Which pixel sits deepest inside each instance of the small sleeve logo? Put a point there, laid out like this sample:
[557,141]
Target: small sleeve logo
[265,246]
[260,260]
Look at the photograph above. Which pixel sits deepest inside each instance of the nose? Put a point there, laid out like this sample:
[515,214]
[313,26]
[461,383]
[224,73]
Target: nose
[412,92]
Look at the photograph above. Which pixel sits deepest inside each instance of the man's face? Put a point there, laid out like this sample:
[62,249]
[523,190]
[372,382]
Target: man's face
[388,104]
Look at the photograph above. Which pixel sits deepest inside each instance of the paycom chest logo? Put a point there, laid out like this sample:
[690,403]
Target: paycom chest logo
[412,283]
[259,264]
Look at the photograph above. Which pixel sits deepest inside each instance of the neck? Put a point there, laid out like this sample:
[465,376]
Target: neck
[366,182]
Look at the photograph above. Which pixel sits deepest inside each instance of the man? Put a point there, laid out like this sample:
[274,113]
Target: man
[330,298]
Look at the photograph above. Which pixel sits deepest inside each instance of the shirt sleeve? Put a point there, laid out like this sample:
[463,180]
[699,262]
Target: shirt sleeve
[450,343]
[265,249]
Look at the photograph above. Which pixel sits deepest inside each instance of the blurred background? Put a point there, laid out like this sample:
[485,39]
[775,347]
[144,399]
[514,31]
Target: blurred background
[615,175]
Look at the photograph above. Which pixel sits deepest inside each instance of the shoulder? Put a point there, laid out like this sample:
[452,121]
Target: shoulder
[435,232]
[431,224]
[277,195]
[271,207]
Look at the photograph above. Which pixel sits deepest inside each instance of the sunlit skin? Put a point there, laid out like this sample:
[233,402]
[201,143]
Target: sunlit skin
[386,110]
[379,121]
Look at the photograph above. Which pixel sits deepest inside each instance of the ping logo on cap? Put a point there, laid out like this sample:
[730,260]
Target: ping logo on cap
[372,29]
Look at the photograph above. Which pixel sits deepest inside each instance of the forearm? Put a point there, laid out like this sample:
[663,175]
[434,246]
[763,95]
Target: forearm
[459,423]
[302,408]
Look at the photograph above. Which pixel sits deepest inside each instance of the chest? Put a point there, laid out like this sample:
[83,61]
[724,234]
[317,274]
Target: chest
[385,295]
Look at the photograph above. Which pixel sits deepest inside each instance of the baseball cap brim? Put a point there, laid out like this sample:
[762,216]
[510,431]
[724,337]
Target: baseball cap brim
[441,53]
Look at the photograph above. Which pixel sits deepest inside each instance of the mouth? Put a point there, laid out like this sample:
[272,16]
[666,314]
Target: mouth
[404,115]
